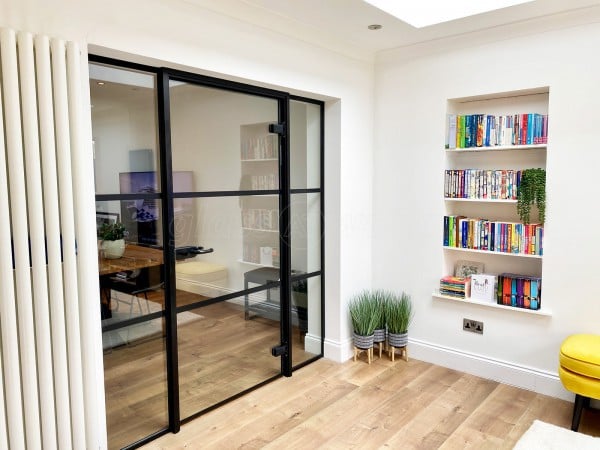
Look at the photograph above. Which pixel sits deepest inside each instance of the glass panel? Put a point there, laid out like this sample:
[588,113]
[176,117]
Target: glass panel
[305,145]
[305,233]
[222,352]
[243,233]
[223,138]
[306,319]
[135,381]
[124,125]
[126,155]
[131,286]
[139,216]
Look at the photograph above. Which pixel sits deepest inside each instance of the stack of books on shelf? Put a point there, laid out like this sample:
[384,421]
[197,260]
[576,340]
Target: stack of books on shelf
[482,184]
[260,182]
[259,148]
[458,287]
[261,219]
[486,130]
[519,291]
[493,236]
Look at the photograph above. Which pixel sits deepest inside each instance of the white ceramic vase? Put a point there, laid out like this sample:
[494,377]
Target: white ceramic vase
[113,249]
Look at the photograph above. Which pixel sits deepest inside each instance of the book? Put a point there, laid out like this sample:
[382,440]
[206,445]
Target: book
[460,132]
[446,231]
[451,140]
[468,131]
[480,128]
[458,287]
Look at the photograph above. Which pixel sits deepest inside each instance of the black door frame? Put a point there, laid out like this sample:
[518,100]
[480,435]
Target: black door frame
[282,98]
[163,76]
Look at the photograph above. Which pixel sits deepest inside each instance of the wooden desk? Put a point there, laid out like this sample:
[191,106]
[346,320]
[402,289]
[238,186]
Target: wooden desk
[135,257]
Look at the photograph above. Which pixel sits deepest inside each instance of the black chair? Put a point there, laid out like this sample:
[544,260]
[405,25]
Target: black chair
[137,284]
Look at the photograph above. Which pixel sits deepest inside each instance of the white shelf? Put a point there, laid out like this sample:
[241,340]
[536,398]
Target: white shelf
[468,301]
[259,159]
[496,148]
[487,252]
[256,264]
[259,195]
[479,200]
[260,230]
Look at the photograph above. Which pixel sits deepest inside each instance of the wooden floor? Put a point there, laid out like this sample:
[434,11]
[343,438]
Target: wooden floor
[220,354]
[354,405]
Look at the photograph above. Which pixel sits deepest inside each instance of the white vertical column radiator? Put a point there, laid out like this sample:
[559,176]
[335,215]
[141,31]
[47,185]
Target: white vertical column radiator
[51,383]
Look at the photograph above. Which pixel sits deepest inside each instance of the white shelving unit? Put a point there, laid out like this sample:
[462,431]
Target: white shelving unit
[479,200]
[260,213]
[469,301]
[515,157]
[259,230]
[496,148]
[259,160]
[253,264]
[487,252]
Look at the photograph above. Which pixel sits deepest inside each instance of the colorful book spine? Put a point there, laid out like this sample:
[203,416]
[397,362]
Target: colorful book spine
[495,236]
[519,291]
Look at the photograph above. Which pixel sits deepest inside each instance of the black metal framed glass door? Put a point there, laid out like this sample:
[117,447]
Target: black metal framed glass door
[230,206]
[219,185]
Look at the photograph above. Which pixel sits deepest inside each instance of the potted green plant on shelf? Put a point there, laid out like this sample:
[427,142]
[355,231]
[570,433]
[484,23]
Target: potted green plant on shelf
[532,191]
[399,314]
[112,240]
[365,316]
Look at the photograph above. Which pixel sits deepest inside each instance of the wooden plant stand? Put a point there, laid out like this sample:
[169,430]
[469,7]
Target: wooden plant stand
[403,352]
[369,351]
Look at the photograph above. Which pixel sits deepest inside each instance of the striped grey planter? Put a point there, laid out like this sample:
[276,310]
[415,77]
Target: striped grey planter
[363,342]
[379,335]
[398,340]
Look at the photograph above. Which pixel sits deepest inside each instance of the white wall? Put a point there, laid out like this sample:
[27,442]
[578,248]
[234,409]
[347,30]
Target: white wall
[172,33]
[408,201]
[205,138]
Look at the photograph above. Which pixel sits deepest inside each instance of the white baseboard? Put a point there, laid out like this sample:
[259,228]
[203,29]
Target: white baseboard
[338,351]
[536,380]
[312,344]
[201,288]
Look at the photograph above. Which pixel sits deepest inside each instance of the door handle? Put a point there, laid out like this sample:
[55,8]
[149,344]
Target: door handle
[279,350]
[190,251]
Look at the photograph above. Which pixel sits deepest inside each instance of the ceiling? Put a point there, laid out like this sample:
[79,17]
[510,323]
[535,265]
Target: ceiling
[341,25]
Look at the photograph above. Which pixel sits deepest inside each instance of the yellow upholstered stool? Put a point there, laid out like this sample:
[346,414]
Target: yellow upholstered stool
[579,370]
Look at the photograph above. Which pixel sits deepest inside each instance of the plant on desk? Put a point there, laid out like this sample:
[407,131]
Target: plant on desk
[112,240]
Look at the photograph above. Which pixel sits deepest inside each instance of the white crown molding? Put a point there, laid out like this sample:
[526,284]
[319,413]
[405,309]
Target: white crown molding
[527,27]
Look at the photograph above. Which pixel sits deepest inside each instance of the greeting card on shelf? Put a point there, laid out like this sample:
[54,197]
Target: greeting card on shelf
[483,287]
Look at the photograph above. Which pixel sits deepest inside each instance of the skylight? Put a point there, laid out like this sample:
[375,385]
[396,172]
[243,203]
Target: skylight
[422,13]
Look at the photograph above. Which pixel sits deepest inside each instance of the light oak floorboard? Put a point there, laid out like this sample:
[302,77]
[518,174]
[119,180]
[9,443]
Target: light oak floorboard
[412,405]
[220,355]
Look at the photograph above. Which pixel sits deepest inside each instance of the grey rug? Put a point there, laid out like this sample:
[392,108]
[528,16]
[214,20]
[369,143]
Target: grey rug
[140,332]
